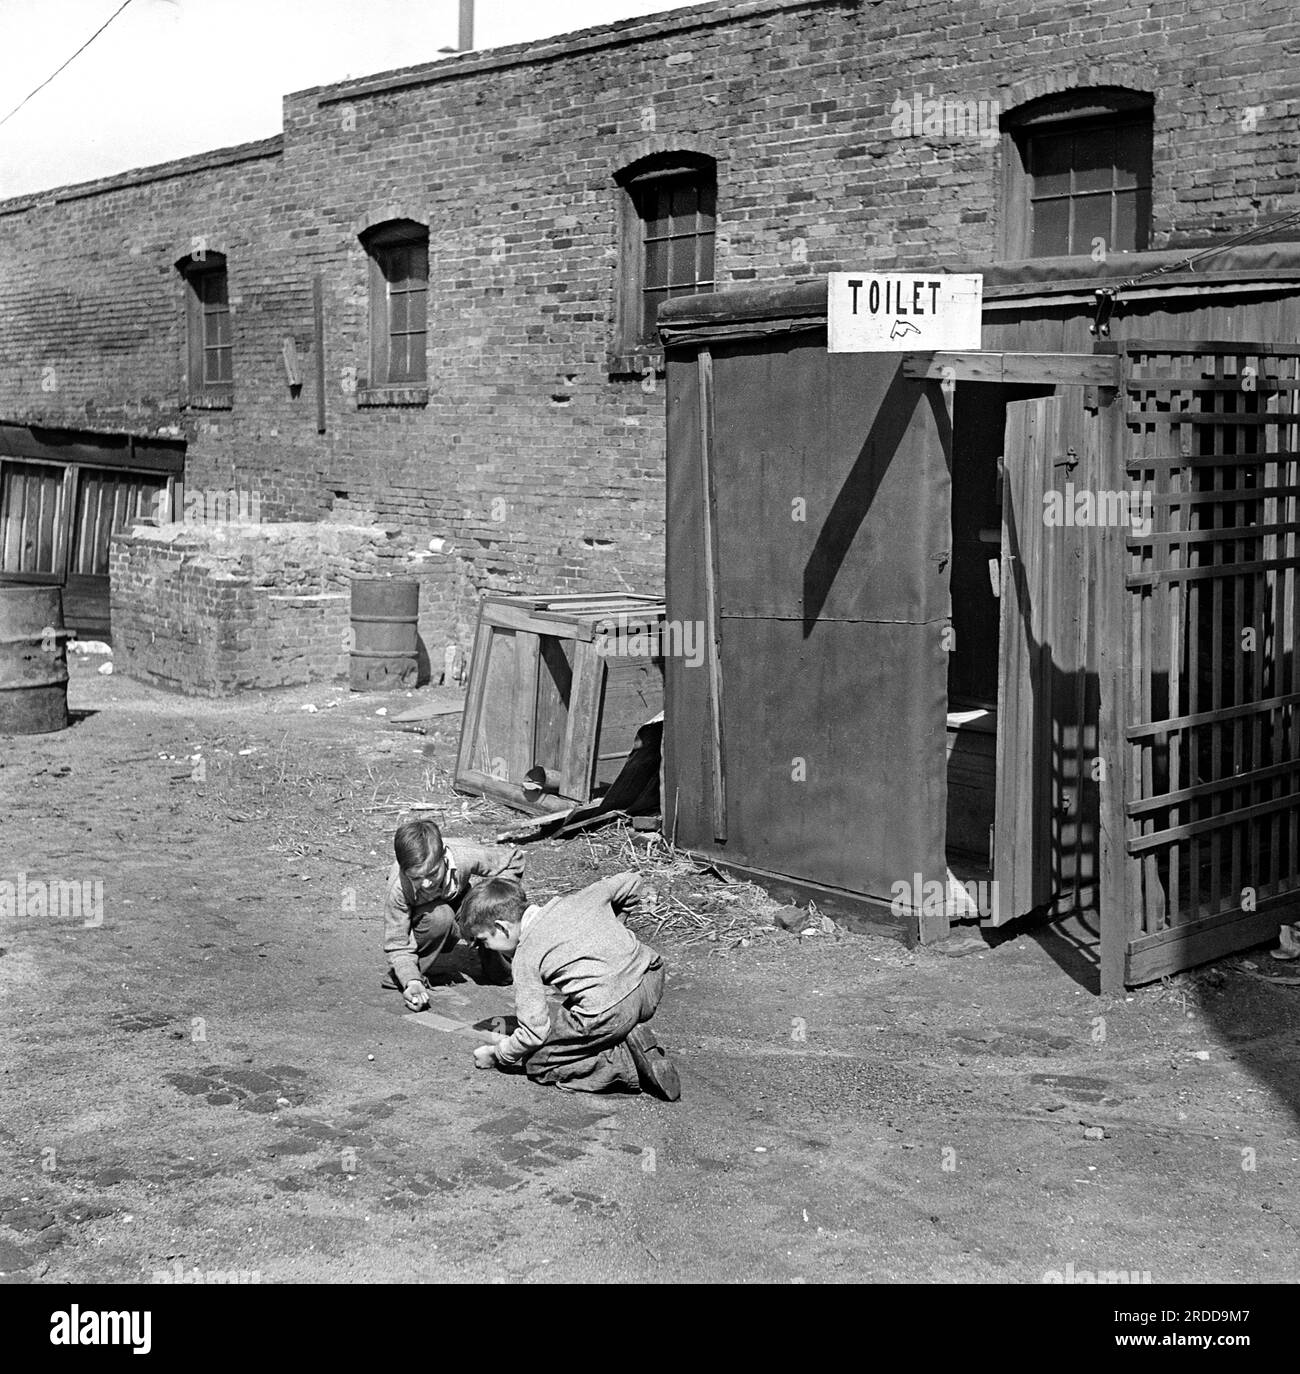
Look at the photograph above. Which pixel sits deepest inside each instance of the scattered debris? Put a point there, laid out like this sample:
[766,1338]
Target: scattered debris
[530,830]
[712,870]
[432,709]
[1251,972]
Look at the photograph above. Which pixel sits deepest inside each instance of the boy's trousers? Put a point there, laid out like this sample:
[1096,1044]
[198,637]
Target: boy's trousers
[587,1054]
[436,932]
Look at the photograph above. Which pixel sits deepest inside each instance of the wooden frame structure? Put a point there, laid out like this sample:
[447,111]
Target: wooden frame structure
[558,687]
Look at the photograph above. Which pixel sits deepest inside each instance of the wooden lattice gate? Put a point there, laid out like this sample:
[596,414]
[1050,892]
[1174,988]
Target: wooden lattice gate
[1211,687]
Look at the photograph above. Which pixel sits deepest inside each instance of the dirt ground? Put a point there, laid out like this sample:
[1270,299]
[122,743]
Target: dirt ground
[205,1073]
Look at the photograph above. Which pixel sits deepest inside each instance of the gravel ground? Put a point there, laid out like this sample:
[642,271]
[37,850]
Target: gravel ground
[200,1068]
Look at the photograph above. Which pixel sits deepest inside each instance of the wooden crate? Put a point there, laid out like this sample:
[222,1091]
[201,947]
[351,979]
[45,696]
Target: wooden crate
[558,688]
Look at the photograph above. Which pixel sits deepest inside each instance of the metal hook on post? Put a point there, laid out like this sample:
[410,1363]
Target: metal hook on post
[1106,297]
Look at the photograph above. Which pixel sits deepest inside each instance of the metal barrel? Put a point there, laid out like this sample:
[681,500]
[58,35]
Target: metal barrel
[385,633]
[33,661]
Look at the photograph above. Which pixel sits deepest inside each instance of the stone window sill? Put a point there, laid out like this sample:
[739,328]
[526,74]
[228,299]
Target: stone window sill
[370,397]
[214,402]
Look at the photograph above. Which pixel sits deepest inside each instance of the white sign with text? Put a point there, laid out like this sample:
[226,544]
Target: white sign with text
[903,312]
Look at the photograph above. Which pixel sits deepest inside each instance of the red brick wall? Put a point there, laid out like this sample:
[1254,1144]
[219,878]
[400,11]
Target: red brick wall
[243,605]
[539,469]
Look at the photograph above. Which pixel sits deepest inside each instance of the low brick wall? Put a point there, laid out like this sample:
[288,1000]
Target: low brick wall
[215,609]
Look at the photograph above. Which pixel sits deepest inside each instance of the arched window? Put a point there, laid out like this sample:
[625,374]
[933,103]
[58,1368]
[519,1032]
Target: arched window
[1079,174]
[209,346]
[399,290]
[669,222]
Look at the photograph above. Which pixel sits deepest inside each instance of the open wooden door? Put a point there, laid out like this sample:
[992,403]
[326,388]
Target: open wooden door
[1045,819]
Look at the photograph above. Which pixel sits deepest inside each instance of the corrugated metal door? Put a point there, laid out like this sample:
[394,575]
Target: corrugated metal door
[106,502]
[56,521]
[33,516]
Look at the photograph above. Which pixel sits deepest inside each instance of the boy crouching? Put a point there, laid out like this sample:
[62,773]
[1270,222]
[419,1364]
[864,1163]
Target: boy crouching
[426,886]
[609,984]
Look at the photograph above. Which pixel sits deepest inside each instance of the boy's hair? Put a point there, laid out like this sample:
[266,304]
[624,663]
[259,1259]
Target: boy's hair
[415,843]
[486,903]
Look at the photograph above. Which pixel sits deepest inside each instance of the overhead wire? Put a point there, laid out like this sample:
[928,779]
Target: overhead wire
[1245,237]
[70,60]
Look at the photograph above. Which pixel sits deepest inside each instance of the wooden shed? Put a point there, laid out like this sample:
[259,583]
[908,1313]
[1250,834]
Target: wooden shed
[1004,633]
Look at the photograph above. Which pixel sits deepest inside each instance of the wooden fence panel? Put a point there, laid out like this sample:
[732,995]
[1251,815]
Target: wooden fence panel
[1213,682]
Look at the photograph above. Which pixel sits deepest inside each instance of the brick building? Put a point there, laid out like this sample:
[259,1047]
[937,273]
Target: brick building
[468,254]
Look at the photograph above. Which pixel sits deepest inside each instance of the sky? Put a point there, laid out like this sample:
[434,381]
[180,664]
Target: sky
[172,77]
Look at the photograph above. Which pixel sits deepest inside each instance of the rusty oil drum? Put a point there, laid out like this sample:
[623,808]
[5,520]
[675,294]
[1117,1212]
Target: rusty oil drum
[33,661]
[385,634]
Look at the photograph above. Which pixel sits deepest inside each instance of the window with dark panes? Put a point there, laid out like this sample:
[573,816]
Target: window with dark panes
[210,374]
[678,214]
[1078,174]
[399,291]
[1088,183]
[669,225]
[214,308]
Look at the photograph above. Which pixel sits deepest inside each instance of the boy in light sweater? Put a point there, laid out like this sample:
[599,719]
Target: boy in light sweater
[426,886]
[608,983]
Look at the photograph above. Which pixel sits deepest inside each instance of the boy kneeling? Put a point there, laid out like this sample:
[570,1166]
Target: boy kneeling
[609,983]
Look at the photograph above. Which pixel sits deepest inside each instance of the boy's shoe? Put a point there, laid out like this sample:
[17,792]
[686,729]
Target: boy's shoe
[1288,944]
[657,1071]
